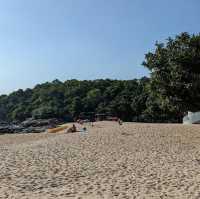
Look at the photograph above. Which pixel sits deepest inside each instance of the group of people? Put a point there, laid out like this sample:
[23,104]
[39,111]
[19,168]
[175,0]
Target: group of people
[73,129]
[79,121]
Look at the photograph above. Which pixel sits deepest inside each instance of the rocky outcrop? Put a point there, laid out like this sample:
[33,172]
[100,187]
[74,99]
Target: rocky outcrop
[29,126]
[40,122]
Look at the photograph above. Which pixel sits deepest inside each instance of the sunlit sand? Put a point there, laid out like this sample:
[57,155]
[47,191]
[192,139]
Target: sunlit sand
[109,161]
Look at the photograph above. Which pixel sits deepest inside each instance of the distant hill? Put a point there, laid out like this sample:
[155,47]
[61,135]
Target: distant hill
[126,99]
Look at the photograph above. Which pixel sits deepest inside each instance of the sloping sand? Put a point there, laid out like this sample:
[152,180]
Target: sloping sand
[111,161]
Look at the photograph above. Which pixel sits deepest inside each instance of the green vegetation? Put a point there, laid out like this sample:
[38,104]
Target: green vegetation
[172,89]
[175,74]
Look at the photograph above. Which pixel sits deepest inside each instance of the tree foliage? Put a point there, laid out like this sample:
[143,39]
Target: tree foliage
[71,98]
[175,73]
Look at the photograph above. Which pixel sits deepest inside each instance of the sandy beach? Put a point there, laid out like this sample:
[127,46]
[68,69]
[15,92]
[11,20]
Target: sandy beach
[110,161]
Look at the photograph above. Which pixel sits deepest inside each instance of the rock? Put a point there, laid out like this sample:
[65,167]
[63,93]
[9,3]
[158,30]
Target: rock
[29,126]
[32,125]
[34,130]
[10,129]
[3,123]
[5,129]
[40,122]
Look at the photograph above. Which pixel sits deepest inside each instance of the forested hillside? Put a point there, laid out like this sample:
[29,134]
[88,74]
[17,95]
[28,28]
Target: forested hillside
[172,89]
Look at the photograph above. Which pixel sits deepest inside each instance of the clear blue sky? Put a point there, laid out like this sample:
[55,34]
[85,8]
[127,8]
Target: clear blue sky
[41,40]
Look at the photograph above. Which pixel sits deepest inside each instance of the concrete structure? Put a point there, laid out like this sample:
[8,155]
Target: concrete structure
[192,118]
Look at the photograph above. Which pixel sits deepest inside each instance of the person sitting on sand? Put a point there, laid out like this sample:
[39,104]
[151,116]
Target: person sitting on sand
[72,129]
[120,121]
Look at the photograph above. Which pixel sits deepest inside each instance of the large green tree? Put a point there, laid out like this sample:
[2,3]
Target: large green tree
[175,73]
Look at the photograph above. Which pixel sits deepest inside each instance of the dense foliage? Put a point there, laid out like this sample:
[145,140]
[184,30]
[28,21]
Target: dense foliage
[175,73]
[172,89]
[69,99]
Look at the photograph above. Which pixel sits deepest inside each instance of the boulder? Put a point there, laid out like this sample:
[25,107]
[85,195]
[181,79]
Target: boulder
[29,126]
[40,122]
[10,128]
[34,130]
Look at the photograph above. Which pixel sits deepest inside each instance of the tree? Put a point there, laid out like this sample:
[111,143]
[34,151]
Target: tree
[175,73]
[75,107]
[92,100]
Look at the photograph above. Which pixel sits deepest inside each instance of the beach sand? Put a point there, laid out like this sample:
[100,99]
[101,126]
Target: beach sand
[109,161]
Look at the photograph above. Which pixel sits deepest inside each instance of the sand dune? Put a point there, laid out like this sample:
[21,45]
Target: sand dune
[110,161]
